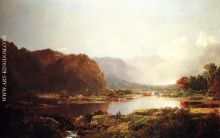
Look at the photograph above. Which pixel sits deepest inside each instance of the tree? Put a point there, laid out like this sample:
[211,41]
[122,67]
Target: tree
[211,69]
[209,80]
[215,86]
[203,84]
[198,83]
[183,83]
[192,83]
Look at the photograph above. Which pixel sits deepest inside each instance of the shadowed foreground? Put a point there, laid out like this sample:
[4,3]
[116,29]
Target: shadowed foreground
[153,123]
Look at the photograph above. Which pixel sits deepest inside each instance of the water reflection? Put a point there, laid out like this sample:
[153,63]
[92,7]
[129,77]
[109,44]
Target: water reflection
[71,134]
[113,108]
[72,110]
[142,103]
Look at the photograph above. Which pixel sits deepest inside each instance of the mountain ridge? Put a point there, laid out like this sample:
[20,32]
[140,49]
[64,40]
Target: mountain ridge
[119,74]
[49,70]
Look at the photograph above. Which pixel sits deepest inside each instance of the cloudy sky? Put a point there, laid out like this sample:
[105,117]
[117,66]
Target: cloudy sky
[126,29]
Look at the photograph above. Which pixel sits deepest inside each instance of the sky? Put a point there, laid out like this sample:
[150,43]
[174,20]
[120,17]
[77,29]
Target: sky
[127,29]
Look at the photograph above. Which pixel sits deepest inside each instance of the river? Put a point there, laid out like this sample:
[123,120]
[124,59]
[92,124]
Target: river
[149,102]
[112,108]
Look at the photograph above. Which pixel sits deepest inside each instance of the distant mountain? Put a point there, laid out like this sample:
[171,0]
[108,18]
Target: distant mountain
[48,70]
[116,83]
[119,75]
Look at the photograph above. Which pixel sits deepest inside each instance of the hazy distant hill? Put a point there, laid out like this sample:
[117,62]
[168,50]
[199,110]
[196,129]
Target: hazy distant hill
[119,75]
[48,70]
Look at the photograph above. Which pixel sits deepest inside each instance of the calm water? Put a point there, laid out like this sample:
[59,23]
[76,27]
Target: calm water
[142,103]
[113,108]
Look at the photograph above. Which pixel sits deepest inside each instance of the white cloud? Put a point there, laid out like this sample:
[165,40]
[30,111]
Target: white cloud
[205,40]
[116,28]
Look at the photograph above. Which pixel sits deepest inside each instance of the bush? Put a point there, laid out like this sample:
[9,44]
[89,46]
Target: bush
[16,124]
[178,124]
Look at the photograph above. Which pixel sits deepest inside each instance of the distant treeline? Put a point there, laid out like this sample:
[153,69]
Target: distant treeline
[208,81]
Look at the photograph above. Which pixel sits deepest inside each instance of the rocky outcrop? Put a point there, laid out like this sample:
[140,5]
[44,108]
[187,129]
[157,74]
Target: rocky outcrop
[48,70]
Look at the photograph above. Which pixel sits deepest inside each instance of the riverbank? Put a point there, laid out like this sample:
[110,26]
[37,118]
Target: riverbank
[112,103]
[126,115]
[153,123]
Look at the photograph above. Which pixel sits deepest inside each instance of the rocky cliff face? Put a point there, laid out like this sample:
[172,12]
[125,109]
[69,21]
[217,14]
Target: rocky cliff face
[48,70]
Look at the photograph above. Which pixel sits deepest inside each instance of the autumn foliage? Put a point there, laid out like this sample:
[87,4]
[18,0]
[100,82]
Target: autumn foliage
[209,81]
[49,70]
[215,87]
[183,82]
